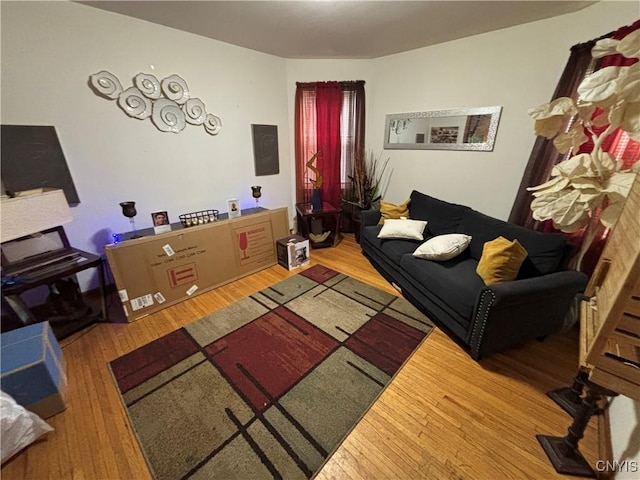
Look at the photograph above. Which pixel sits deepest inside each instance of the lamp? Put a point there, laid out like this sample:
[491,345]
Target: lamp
[33,211]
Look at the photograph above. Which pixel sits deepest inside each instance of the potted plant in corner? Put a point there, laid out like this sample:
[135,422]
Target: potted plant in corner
[588,190]
[368,182]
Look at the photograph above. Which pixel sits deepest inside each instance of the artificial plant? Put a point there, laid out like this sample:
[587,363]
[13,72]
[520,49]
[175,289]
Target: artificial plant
[588,183]
[367,180]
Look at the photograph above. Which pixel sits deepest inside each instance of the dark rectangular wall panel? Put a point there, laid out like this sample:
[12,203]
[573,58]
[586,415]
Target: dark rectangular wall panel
[32,158]
[265,149]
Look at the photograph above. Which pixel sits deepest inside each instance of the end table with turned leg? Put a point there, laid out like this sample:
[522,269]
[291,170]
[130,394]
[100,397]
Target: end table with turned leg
[321,227]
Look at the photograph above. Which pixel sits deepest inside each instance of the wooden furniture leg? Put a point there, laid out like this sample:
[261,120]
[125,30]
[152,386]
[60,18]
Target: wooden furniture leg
[570,398]
[563,451]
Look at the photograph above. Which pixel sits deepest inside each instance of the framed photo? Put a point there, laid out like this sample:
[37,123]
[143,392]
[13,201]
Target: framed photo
[233,207]
[444,134]
[160,221]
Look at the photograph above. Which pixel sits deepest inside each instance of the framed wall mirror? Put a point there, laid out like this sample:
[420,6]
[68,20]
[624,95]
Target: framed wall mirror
[458,129]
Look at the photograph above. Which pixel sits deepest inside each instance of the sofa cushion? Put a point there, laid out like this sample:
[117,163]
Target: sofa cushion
[443,217]
[396,228]
[393,249]
[545,249]
[443,247]
[501,260]
[389,210]
[454,283]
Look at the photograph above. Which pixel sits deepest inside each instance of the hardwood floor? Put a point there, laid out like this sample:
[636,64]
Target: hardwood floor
[443,416]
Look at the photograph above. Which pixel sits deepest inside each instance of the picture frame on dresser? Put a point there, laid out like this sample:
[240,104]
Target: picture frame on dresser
[233,207]
[161,222]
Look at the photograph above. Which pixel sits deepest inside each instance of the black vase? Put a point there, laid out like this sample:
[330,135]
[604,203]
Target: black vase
[129,209]
[316,199]
[256,193]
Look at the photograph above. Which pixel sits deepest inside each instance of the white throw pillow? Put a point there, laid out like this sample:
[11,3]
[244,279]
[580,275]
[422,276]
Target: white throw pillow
[443,247]
[402,228]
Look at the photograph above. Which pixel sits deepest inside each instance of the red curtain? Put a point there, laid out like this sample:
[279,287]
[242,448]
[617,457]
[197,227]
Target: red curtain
[305,139]
[611,142]
[617,144]
[330,120]
[544,156]
[328,108]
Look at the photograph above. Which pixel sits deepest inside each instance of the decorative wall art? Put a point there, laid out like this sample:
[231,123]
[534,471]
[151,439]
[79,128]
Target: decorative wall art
[265,149]
[168,103]
[31,157]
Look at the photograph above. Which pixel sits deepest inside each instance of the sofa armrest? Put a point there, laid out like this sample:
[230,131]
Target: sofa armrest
[370,217]
[510,313]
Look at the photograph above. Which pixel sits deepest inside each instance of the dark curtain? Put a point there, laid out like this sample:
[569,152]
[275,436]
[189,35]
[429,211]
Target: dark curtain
[544,155]
[353,100]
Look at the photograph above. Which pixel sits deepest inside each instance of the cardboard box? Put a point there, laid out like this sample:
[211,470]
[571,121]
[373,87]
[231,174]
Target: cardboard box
[33,370]
[156,271]
[293,252]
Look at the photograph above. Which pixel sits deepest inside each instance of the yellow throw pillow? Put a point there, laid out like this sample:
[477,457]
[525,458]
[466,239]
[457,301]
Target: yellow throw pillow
[389,210]
[501,260]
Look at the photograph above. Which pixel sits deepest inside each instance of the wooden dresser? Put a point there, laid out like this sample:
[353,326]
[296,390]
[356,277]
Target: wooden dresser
[609,339]
[610,320]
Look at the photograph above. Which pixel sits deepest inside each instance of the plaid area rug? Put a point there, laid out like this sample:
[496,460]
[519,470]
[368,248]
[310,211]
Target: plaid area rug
[269,386]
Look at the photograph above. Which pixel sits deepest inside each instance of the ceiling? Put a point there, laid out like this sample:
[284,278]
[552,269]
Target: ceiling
[338,29]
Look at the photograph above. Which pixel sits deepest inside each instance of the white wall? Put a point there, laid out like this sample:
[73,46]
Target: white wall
[517,68]
[624,415]
[49,50]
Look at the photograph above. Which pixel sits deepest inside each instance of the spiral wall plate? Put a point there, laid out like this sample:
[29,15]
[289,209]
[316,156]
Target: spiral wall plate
[106,84]
[167,116]
[212,124]
[166,103]
[148,85]
[194,111]
[134,103]
[175,88]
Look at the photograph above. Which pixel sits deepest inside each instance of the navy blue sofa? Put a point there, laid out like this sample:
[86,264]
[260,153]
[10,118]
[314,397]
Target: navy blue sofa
[483,319]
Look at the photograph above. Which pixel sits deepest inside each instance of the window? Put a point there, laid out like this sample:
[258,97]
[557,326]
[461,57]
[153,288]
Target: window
[329,121]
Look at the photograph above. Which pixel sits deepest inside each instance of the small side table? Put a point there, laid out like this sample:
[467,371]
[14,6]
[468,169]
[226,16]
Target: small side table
[48,274]
[313,224]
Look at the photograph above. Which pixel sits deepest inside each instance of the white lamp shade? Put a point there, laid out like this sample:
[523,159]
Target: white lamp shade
[33,211]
